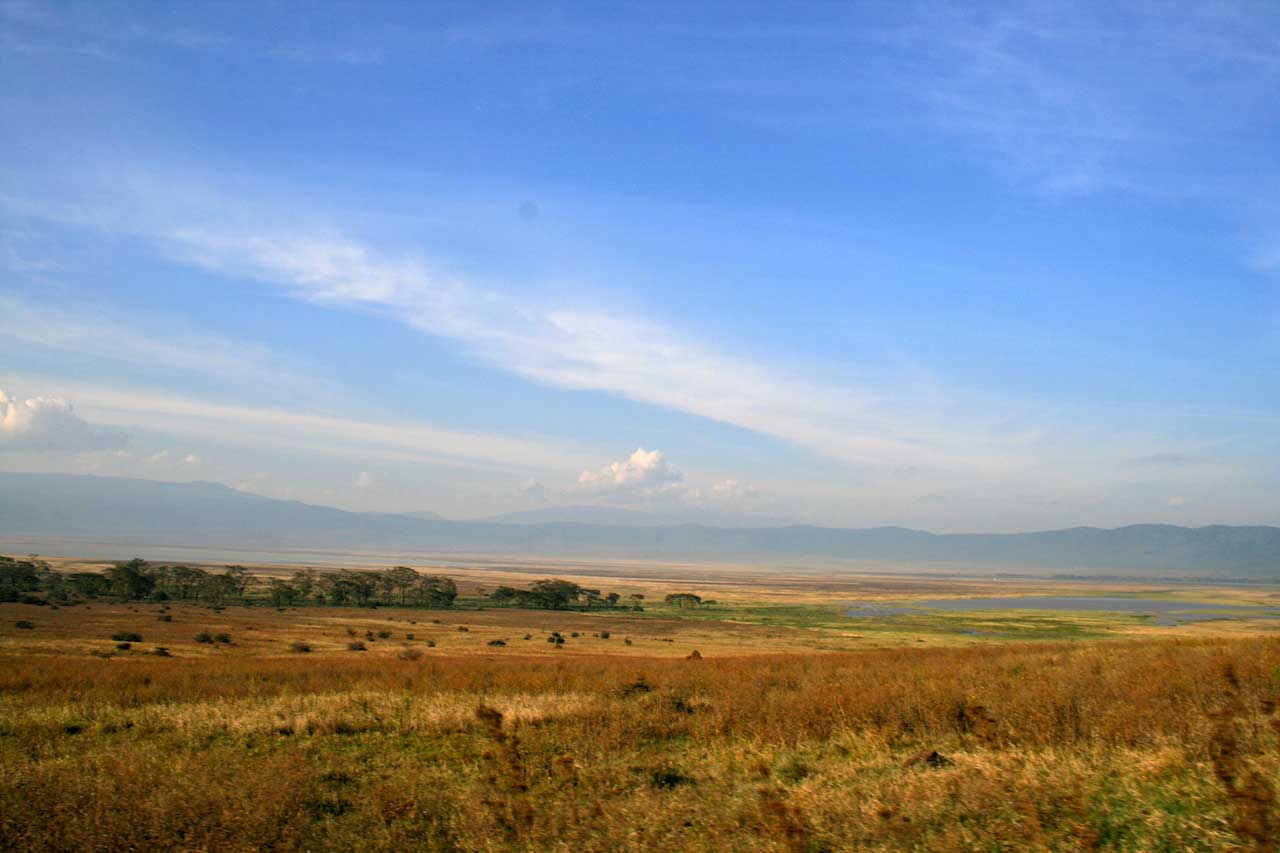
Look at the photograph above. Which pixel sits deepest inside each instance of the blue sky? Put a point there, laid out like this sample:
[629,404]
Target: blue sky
[951,266]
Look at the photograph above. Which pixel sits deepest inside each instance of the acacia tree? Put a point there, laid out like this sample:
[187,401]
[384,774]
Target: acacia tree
[684,600]
[304,581]
[400,580]
[16,577]
[555,594]
[435,591]
[132,580]
[282,593]
[237,580]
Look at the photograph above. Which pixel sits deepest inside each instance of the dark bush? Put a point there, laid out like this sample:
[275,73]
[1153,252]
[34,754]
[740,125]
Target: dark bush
[222,638]
[203,637]
[127,637]
[668,777]
[164,617]
[497,642]
[356,646]
[24,624]
[300,647]
[408,636]
[161,652]
[463,628]
[384,635]
[124,647]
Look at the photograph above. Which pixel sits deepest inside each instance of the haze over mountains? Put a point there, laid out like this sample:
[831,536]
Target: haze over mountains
[58,508]
[623,517]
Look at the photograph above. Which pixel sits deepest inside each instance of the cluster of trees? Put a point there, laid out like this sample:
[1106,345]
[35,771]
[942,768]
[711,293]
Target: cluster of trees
[20,577]
[400,585]
[687,600]
[557,594]
[138,580]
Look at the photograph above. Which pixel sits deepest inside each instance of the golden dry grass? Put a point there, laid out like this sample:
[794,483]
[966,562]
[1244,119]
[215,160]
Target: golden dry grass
[1063,746]
[792,733]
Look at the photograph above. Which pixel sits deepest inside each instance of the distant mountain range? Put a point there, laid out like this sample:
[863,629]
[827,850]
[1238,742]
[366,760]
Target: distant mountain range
[606,515]
[621,517]
[57,508]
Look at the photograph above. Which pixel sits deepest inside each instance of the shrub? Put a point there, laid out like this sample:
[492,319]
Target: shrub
[411,654]
[124,647]
[604,635]
[160,652]
[351,632]
[574,634]
[497,642]
[222,638]
[463,628]
[164,617]
[431,644]
[356,646]
[127,637]
[300,647]
[408,636]
[384,635]
[24,624]
[668,777]
[203,637]
[31,599]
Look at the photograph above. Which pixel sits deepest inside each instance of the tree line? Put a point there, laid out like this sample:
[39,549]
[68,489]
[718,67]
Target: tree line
[555,594]
[33,580]
[138,580]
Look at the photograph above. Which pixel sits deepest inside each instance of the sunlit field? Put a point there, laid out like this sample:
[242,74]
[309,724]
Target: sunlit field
[768,720]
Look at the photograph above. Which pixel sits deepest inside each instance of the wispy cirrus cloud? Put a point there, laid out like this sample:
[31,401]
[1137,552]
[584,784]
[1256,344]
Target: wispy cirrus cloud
[98,333]
[884,434]
[347,435]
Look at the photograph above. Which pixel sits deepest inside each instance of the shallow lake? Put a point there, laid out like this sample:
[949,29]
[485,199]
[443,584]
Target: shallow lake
[1166,611]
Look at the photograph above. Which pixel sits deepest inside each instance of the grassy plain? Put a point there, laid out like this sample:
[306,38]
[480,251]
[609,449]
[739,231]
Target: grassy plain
[795,730]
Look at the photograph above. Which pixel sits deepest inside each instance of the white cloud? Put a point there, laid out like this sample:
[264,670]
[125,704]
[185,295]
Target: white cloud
[732,491]
[644,472]
[191,459]
[1177,500]
[50,423]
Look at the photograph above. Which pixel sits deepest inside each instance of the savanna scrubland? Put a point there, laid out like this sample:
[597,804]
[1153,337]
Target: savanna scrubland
[142,724]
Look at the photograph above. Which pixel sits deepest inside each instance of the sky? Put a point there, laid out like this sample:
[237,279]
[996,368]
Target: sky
[952,266]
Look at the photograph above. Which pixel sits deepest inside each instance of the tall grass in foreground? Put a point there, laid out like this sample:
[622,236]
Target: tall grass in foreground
[1160,745]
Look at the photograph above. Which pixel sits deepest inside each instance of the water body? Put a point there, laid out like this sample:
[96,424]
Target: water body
[1164,611]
